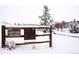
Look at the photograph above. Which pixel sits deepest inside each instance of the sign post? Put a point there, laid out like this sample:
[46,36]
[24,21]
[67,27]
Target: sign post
[3,36]
[29,34]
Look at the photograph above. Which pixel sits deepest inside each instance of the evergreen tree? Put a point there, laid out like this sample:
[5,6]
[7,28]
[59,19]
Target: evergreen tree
[46,18]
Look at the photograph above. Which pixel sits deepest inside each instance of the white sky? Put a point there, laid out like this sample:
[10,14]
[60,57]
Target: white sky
[28,11]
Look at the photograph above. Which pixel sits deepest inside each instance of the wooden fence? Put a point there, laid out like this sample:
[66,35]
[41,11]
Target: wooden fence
[29,33]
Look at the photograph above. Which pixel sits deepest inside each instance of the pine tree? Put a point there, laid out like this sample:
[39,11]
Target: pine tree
[46,18]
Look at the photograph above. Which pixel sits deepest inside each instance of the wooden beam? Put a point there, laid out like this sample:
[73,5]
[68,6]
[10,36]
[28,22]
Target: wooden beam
[14,36]
[3,36]
[29,27]
[31,42]
[43,35]
[50,37]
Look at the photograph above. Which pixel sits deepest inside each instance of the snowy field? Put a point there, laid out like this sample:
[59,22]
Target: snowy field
[61,45]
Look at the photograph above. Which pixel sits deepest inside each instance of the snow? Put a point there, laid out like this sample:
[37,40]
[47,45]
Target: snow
[25,26]
[61,45]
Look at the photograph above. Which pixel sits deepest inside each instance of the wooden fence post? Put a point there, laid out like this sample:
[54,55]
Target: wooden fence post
[3,36]
[50,37]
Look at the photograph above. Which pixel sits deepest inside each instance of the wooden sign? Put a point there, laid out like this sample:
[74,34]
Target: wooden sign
[29,34]
[13,32]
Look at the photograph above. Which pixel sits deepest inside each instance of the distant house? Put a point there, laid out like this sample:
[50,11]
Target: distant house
[65,25]
[68,24]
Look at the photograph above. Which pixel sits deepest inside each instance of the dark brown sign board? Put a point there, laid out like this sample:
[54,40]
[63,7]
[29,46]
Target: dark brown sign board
[14,32]
[29,34]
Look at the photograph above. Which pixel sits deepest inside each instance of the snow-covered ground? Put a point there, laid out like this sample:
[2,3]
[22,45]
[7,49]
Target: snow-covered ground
[61,45]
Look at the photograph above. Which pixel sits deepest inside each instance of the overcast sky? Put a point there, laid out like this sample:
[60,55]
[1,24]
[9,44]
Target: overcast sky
[28,11]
